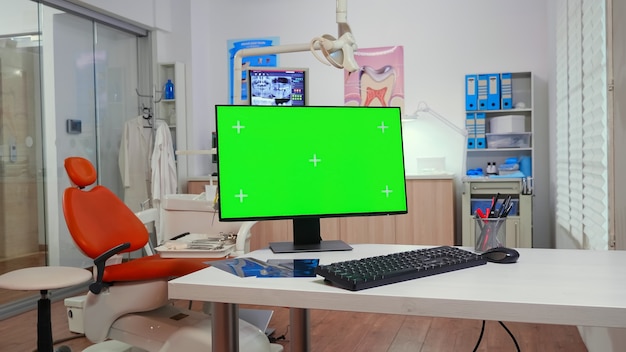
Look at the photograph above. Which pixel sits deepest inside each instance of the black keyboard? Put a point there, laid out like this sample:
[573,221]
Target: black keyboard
[382,270]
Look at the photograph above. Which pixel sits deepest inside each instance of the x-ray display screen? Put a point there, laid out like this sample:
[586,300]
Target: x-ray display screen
[277,86]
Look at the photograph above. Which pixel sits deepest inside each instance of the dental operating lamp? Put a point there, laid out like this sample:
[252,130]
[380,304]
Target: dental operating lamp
[338,52]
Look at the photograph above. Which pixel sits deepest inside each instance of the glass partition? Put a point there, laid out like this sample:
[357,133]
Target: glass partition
[56,70]
[22,241]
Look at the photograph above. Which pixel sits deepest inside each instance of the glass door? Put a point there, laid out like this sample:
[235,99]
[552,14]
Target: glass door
[90,81]
[22,241]
[67,86]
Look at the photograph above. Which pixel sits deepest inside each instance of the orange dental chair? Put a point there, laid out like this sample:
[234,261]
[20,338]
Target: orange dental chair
[128,302]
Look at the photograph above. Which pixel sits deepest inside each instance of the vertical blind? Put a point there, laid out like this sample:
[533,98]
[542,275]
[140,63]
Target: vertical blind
[581,122]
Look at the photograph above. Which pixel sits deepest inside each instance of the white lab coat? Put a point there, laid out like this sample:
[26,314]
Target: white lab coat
[163,164]
[164,180]
[134,162]
[146,162]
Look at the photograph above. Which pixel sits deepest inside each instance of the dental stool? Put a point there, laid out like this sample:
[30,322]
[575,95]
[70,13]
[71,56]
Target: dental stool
[128,302]
[44,279]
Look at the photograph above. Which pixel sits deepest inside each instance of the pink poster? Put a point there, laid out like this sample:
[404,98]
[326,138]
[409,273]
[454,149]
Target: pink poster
[380,80]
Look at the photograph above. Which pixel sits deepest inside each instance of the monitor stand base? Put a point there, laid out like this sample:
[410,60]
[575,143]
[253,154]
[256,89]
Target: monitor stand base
[323,246]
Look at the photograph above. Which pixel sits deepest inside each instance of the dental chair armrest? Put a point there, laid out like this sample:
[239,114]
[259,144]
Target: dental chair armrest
[100,262]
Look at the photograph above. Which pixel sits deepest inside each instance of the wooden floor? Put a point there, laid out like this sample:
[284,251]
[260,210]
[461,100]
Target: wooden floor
[333,331]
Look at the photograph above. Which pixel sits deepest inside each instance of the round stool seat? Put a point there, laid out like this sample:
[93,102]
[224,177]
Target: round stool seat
[44,278]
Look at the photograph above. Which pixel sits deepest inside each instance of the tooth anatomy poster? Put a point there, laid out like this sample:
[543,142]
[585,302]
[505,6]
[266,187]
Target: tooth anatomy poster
[380,79]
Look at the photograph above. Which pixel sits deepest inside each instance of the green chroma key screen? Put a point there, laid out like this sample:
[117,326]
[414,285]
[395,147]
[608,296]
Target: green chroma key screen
[287,162]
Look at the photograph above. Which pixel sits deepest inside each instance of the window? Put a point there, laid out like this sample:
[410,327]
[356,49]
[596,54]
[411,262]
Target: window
[582,120]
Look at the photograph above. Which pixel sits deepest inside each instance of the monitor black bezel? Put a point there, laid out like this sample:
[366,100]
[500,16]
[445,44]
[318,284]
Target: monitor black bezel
[306,227]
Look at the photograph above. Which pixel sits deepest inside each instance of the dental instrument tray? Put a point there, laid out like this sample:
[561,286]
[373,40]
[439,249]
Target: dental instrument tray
[198,245]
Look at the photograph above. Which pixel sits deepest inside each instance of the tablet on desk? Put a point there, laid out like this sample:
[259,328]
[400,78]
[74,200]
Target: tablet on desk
[252,267]
[300,267]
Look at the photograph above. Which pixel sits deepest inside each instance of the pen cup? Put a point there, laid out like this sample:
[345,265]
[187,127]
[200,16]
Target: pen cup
[489,233]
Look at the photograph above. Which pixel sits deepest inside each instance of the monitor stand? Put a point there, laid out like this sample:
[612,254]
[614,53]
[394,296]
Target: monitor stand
[322,246]
[307,238]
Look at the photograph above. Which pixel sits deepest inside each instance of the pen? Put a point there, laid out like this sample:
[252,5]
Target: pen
[494,201]
[503,206]
[479,217]
[508,209]
[179,236]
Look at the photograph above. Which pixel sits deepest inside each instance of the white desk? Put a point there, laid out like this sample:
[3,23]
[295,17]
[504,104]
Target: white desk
[566,287]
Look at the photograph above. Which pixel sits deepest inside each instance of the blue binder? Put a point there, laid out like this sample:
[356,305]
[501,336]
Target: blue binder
[493,91]
[506,91]
[480,129]
[471,92]
[483,92]
[470,126]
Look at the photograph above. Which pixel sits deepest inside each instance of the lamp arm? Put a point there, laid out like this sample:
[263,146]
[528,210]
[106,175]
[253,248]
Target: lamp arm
[461,131]
[342,12]
[422,107]
[441,118]
[345,45]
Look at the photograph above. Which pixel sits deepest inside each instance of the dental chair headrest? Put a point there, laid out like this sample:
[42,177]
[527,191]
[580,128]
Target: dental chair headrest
[80,171]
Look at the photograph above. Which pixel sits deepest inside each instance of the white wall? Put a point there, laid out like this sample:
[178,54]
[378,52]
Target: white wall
[144,13]
[21,19]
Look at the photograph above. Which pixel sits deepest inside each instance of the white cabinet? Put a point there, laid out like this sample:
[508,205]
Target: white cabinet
[478,193]
[173,111]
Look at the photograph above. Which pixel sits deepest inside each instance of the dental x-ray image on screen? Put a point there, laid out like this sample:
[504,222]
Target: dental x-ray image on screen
[277,86]
[309,162]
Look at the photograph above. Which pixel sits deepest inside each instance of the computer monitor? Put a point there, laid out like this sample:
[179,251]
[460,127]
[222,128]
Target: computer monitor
[278,86]
[309,162]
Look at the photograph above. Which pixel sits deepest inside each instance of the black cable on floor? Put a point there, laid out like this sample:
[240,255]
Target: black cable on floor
[510,334]
[482,331]
[480,337]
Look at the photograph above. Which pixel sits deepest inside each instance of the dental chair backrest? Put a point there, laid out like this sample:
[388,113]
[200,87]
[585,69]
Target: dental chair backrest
[101,225]
[97,219]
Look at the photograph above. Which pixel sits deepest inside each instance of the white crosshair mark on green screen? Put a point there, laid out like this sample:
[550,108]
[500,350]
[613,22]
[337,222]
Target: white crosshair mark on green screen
[241,196]
[315,160]
[238,126]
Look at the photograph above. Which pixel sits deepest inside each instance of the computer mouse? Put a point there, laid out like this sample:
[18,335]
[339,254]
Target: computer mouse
[501,255]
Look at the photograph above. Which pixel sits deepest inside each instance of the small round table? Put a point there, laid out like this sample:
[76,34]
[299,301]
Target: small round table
[42,279]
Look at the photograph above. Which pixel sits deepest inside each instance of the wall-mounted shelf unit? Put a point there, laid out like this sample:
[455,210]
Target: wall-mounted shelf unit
[174,112]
